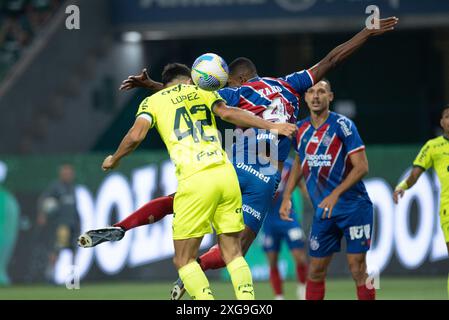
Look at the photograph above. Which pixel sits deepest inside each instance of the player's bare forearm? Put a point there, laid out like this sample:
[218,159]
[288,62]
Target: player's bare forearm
[343,51]
[359,170]
[245,119]
[127,146]
[293,179]
[156,86]
[414,176]
[129,143]
[241,118]
[292,182]
[303,188]
[142,80]
[407,183]
[339,54]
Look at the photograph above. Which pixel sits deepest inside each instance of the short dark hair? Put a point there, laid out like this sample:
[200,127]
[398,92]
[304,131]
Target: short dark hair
[328,83]
[175,70]
[444,110]
[242,65]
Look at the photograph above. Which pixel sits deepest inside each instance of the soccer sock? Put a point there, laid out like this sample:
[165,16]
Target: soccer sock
[241,279]
[150,213]
[212,259]
[195,282]
[276,281]
[315,290]
[301,273]
[363,293]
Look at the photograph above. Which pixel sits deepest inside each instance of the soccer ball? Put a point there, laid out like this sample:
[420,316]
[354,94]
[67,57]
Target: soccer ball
[210,72]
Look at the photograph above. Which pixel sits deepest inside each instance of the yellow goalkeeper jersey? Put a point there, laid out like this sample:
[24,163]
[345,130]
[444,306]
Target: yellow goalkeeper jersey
[435,153]
[183,116]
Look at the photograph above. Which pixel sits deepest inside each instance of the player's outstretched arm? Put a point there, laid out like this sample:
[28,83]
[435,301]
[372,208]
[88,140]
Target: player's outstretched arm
[292,182]
[343,51]
[407,183]
[142,80]
[129,143]
[359,170]
[243,118]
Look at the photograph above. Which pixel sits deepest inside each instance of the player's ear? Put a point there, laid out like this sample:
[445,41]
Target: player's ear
[306,96]
[331,96]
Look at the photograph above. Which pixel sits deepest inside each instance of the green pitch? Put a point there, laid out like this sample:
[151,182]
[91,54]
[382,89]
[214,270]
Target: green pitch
[390,288]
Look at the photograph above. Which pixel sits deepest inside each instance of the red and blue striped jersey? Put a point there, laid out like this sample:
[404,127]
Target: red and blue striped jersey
[273,99]
[324,153]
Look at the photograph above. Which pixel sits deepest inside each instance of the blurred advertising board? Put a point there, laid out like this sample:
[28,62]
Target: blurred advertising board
[407,238]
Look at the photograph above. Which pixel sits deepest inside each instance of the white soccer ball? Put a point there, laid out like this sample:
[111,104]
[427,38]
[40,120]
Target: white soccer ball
[210,72]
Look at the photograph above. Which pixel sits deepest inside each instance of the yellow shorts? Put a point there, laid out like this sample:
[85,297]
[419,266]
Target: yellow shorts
[444,220]
[210,196]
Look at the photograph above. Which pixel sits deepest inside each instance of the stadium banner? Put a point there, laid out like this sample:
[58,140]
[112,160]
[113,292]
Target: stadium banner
[407,238]
[134,12]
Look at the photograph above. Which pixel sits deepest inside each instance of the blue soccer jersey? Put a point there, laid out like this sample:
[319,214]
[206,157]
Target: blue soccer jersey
[324,153]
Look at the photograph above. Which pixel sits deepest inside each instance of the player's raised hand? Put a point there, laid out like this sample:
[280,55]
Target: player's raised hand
[385,25]
[142,80]
[109,163]
[285,129]
[285,210]
[398,193]
[328,205]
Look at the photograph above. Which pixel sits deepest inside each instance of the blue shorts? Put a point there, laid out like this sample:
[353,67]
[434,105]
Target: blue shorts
[356,226]
[291,232]
[257,193]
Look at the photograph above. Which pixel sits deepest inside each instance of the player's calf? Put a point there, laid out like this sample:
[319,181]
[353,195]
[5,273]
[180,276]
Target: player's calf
[357,267]
[247,238]
[317,272]
[315,287]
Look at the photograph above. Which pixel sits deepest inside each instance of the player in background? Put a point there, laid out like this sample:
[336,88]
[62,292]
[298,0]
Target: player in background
[280,97]
[201,164]
[331,158]
[57,207]
[277,230]
[433,154]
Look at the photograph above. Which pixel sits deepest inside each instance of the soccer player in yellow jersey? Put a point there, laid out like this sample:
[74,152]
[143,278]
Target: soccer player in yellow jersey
[435,153]
[208,191]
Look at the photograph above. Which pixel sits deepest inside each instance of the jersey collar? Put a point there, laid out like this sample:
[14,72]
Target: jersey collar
[325,122]
[257,78]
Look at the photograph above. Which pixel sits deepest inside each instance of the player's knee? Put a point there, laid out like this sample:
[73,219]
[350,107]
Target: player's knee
[317,272]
